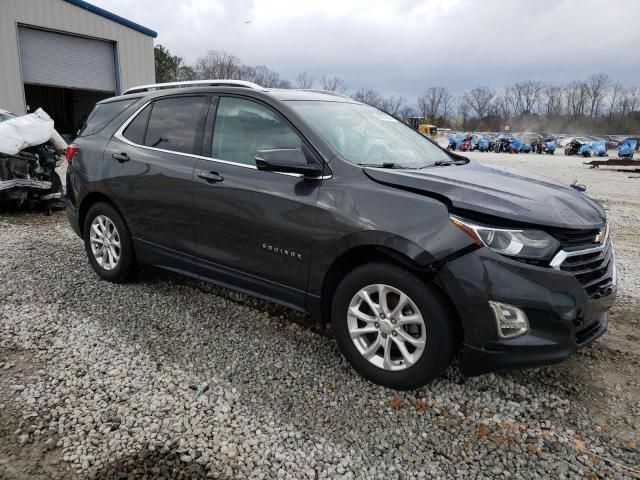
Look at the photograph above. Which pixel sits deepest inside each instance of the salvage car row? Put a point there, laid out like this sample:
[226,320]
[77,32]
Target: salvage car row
[543,143]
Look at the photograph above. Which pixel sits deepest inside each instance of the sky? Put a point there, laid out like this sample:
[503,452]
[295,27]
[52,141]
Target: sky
[402,47]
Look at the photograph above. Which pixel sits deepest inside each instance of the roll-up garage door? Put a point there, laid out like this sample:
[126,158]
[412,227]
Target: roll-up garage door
[67,61]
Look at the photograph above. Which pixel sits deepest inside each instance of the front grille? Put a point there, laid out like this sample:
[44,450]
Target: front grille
[570,239]
[594,269]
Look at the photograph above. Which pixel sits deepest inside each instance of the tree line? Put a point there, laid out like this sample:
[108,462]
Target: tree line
[596,104]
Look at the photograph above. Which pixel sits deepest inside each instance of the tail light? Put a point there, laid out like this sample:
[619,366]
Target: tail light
[70,152]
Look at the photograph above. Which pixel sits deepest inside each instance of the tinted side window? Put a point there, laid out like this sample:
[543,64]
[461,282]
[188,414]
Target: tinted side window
[177,123]
[243,127]
[103,113]
[137,128]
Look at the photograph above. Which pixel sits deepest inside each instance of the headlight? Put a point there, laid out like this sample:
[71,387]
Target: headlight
[525,243]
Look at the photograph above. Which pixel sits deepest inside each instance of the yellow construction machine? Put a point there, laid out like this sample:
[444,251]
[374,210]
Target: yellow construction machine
[420,124]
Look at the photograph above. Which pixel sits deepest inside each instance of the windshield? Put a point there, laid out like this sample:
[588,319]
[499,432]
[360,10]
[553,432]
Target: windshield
[366,136]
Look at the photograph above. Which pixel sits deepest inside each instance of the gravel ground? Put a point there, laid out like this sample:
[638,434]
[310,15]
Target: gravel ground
[169,377]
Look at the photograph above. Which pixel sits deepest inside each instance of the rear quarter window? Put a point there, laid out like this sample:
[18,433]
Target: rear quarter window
[137,128]
[102,114]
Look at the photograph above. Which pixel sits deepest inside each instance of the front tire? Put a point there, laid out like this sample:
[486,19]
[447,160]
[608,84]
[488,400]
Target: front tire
[108,244]
[394,329]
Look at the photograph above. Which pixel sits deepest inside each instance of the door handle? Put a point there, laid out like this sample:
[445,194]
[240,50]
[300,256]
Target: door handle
[211,177]
[121,157]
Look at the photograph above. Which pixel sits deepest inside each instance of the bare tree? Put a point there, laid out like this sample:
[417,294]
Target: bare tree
[614,101]
[629,101]
[576,97]
[333,84]
[479,99]
[526,96]
[511,101]
[446,105]
[266,77]
[608,105]
[551,101]
[597,85]
[502,105]
[218,64]
[370,97]
[304,80]
[406,113]
[392,105]
[423,106]
[430,103]
[464,110]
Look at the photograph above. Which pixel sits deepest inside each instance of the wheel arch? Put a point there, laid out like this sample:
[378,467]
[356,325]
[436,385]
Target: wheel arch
[360,255]
[91,199]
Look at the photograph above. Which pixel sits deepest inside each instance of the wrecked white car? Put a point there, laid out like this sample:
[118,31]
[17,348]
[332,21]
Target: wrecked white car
[30,151]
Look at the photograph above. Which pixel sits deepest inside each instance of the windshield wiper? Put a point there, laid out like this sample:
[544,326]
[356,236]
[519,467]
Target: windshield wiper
[446,163]
[383,165]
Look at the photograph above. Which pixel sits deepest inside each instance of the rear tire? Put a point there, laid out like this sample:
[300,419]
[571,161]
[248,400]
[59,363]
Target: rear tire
[419,333]
[108,244]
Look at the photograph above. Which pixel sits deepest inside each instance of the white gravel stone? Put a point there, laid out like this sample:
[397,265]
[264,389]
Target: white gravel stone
[172,374]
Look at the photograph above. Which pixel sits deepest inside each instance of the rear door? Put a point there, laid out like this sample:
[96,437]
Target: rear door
[254,227]
[149,165]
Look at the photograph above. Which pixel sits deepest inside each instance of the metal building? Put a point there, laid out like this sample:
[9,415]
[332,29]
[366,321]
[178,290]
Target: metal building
[65,55]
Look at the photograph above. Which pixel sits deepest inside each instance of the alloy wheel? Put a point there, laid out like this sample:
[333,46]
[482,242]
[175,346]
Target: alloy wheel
[105,242]
[386,327]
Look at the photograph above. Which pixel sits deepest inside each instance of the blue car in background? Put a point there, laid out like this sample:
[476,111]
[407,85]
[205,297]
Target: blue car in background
[585,149]
[454,141]
[549,146]
[599,148]
[542,145]
[483,143]
[518,146]
[627,147]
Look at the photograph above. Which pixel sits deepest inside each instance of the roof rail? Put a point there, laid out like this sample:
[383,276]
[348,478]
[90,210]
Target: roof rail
[194,83]
[327,92]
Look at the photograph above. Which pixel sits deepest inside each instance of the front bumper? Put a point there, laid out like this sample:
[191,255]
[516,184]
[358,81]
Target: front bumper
[25,183]
[562,316]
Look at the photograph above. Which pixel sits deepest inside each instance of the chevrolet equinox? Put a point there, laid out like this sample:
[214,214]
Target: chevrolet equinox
[331,207]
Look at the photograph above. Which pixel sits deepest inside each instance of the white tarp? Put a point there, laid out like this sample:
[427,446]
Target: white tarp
[27,131]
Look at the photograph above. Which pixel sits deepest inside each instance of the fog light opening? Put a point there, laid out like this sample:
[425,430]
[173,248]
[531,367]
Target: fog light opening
[510,320]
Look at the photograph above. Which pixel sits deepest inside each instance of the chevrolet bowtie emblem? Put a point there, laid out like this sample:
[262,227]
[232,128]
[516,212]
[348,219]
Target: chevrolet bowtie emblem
[600,237]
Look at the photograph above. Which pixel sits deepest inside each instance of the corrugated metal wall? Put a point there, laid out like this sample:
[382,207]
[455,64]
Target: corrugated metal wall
[134,49]
[66,60]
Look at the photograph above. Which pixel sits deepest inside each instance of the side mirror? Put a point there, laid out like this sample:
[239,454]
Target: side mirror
[287,160]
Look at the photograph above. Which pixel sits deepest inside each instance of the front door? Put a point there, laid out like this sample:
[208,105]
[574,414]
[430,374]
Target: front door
[254,227]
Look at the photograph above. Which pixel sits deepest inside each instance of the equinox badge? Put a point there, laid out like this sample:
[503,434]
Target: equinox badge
[282,251]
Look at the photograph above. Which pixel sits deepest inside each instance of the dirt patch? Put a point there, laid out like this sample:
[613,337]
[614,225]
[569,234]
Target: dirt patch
[608,384]
[23,453]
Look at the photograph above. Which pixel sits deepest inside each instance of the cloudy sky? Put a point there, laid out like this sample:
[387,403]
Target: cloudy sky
[402,47]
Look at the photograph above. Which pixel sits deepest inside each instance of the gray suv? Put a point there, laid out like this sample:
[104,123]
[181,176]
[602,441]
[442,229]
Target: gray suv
[331,207]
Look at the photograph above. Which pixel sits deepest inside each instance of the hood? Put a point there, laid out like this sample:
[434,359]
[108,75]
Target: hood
[512,195]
